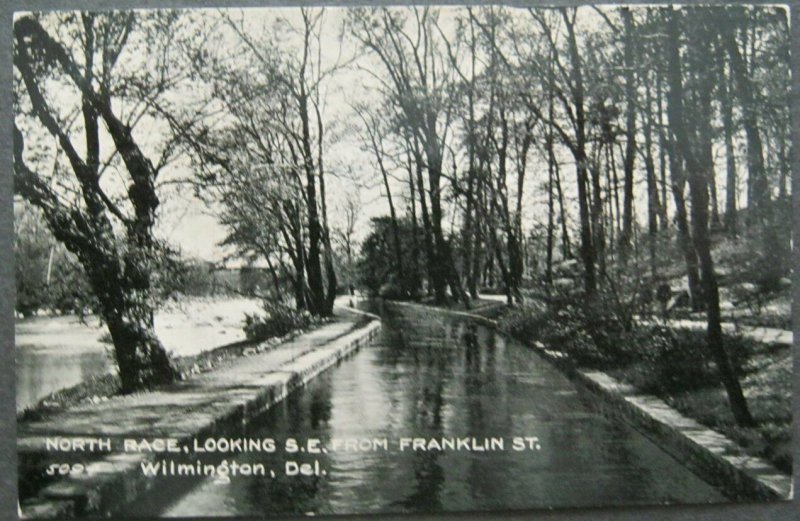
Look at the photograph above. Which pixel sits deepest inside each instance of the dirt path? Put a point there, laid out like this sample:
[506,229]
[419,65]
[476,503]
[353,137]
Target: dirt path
[195,400]
[767,335]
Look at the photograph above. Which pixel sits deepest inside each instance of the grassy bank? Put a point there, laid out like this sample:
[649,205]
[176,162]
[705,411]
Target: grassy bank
[673,364]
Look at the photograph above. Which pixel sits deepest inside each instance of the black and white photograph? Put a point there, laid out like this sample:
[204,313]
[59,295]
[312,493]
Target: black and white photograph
[342,260]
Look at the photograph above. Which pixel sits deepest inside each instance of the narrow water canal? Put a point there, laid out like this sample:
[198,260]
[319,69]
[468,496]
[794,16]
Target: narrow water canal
[434,380]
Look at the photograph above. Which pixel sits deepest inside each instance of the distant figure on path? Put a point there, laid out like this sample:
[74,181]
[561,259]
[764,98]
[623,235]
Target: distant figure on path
[663,294]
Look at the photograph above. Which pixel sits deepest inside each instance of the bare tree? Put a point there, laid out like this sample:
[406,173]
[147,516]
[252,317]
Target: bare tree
[272,141]
[418,83]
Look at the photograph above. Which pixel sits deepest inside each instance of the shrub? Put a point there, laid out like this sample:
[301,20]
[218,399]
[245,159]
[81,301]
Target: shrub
[669,361]
[523,322]
[391,289]
[280,320]
[588,334]
[666,364]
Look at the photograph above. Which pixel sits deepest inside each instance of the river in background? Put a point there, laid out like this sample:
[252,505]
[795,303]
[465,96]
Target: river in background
[433,379]
[52,353]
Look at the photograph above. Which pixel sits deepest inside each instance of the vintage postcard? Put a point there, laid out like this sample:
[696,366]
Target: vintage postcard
[412,259]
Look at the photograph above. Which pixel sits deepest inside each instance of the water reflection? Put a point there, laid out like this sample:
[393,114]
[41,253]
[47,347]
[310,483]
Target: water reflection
[436,380]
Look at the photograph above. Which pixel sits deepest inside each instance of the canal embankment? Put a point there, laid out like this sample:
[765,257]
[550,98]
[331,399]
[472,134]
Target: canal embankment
[711,455]
[430,378]
[204,405]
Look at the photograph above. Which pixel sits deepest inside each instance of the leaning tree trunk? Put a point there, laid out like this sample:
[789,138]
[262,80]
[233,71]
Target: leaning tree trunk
[698,187]
[121,281]
[142,360]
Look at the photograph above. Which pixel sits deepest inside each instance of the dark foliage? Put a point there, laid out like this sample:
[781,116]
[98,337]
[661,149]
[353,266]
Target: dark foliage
[378,267]
[656,359]
[48,277]
[279,320]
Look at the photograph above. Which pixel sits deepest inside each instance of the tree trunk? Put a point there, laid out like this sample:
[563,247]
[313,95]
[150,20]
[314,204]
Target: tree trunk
[587,252]
[698,188]
[652,201]
[298,259]
[598,230]
[121,280]
[398,253]
[513,274]
[468,232]
[276,283]
[612,162]
[440,262]
[330,272]
[775,249]
[587,247]
[416,280]
[630,134]
[685,241]
[662,155]
[726,106]
[317,303]
[566,248]
[760,197]
[474,271]
[706,155]
[550,212]
[435,282]
[142,360]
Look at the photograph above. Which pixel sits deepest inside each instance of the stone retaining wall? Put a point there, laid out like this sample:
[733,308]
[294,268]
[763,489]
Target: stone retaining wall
[482,316]
[709,454]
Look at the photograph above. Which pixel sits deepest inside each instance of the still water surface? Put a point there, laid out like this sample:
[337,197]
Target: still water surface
[53,353]
[434,380]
